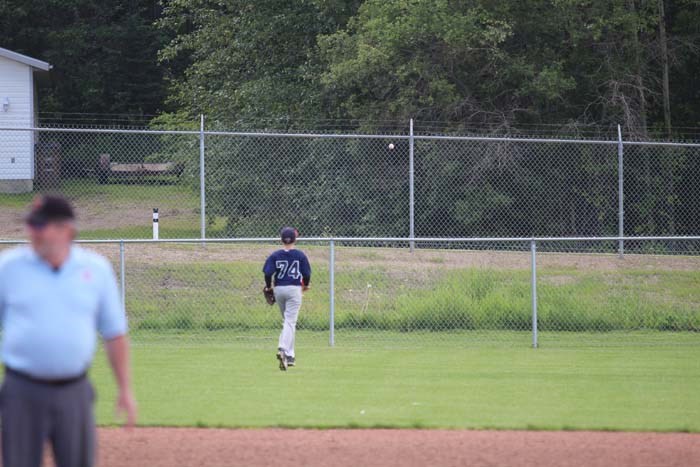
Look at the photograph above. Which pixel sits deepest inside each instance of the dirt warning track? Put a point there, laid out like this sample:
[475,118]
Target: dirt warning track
[161,447]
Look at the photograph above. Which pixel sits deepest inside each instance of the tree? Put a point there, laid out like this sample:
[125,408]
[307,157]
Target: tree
[432,60]
[104,54]
[663,48]
[248,61]
[499,66]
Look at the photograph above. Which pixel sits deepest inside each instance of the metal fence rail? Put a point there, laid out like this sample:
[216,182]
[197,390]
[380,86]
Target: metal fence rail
[449,291]
[218,184]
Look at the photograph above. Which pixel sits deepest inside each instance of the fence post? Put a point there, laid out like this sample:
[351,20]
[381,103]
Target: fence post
[533,285]
[621,193]
[202,186]
[122,275]
[411,183]
[331,279]
[155,224]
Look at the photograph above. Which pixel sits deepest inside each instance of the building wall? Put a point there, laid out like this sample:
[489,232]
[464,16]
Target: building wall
[16,147]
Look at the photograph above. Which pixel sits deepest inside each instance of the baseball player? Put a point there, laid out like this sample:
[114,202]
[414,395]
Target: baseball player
[291,271]
[54,299]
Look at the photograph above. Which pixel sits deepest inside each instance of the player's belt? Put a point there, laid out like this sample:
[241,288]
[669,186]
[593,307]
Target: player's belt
[50,382]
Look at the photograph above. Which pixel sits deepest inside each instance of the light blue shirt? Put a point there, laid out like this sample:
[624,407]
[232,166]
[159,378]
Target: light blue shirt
[50,318]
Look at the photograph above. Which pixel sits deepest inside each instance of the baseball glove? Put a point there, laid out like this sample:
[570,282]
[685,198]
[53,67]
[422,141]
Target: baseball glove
[269,296]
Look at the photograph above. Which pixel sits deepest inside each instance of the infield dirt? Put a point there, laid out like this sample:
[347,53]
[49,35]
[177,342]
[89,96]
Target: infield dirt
[160,447]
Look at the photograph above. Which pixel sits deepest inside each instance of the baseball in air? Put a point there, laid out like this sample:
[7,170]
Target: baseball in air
[391,146]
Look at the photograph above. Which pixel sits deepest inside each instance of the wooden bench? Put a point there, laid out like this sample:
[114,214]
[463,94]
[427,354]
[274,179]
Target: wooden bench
[107,169]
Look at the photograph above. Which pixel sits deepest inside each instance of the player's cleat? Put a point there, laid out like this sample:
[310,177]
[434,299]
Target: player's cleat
[290,361]
[283,360]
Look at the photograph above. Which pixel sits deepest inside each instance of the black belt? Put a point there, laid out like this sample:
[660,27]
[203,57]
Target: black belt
[50,382]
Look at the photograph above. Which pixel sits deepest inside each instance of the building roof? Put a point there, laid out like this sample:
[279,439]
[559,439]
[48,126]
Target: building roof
[32,62]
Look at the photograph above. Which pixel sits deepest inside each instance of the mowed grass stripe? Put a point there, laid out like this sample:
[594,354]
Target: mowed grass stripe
[236,385]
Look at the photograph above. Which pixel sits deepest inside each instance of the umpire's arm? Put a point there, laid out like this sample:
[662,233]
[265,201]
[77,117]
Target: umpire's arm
[112,325]
[118,354]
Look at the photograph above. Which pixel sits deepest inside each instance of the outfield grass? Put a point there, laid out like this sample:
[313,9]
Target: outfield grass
[235,383]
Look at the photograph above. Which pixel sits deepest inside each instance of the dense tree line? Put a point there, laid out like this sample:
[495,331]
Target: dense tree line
[497,66]
[501,67]
[104,53]
[504,64]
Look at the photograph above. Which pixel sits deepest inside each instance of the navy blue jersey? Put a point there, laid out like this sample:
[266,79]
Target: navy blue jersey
[289,267]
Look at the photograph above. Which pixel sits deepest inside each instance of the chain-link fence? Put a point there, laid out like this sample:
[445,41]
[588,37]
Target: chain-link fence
[448,292]
[225,184]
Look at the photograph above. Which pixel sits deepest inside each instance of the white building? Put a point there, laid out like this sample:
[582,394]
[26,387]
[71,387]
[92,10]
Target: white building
[18,109]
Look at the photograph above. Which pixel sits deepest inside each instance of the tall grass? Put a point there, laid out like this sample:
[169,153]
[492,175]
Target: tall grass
[222,296]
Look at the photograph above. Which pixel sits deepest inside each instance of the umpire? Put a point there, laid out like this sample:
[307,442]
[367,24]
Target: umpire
[54,298]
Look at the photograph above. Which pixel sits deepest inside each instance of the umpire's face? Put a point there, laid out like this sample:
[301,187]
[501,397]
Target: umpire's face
[51,238]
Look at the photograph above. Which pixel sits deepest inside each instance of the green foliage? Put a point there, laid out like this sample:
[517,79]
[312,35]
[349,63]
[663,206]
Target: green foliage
[492,65]
[403,59]
[247,60]
[471,62]
[501,64]
[104,54]
[496,66]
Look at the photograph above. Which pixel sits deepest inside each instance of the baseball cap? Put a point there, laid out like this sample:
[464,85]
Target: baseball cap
[289,234]
[46,209]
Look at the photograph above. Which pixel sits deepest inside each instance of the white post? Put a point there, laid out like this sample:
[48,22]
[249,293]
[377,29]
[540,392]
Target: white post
[412,231]
[202,191]
[533,285]
[331,279]
[621,193]
[155,223]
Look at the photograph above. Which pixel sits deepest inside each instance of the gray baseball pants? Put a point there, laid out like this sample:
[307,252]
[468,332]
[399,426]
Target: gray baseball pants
[289,299]
[34,412]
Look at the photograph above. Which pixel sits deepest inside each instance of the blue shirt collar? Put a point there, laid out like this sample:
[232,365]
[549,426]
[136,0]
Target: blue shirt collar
[34,256]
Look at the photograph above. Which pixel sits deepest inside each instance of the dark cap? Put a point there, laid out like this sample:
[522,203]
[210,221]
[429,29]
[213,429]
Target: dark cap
[46,209]
[289,235]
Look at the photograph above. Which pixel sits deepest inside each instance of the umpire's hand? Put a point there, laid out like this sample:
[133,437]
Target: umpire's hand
[126,407]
